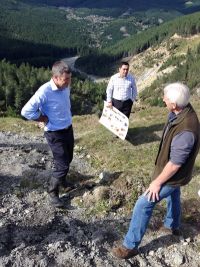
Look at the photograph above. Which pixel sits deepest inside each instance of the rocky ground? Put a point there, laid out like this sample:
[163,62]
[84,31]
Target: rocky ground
[32,233]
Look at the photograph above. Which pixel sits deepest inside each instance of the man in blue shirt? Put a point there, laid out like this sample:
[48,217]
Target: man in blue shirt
[51,105]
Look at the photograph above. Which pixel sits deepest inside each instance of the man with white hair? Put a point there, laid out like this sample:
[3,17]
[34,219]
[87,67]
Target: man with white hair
[174,163]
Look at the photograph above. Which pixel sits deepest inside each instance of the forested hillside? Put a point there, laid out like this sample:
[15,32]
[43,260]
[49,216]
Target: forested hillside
[34,36]
[186,26]
[37,35]
[135,4]
[18,84]
[48,31]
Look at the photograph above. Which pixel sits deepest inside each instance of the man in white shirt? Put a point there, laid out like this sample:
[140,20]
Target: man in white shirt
[121,90]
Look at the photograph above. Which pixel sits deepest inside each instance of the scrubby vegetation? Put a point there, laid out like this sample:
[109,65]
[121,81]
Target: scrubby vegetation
[186,70]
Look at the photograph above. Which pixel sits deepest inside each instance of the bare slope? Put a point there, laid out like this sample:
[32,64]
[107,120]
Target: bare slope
[146,66]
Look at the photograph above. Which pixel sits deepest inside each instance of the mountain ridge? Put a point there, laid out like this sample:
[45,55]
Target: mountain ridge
[141,5]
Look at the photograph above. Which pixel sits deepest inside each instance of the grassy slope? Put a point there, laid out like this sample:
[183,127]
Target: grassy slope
[132,161]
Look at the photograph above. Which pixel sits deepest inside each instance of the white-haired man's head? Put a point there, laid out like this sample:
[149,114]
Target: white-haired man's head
[177,94]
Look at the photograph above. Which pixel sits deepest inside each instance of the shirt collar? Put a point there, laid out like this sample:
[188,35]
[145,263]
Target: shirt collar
[53,86]
[121,77]
[172,116]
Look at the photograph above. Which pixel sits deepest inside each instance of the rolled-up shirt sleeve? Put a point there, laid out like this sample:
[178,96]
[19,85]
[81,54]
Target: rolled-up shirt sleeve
[109,90]
[181,147]
[33,108]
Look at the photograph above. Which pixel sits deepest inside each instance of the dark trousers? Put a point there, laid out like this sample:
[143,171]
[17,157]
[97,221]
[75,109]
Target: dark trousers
[62,145]
[123,106]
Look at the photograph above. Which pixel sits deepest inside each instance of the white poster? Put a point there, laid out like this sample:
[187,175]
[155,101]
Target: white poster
[115,121]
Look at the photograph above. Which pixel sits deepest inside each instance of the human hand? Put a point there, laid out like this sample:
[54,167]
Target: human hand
[42,121]
[109,105]
[153,191]
[41,125]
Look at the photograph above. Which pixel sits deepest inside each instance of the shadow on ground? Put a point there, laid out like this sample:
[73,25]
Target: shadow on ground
[141,135]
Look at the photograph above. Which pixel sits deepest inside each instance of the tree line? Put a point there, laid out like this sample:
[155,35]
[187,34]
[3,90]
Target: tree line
[19,83]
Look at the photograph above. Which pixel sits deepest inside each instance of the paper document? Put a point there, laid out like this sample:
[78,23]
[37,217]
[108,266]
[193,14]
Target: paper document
[115,121]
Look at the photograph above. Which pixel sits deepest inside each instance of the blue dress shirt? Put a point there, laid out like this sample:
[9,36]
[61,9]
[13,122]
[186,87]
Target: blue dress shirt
[52,102]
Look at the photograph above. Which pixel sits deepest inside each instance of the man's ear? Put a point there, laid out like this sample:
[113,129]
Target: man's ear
[174,105]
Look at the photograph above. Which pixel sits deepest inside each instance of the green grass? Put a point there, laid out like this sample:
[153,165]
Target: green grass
[17,125]
[134,161]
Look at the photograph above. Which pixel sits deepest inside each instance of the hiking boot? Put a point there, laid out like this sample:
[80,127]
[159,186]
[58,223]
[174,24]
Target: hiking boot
[122,252]
[171,231]
[55,200]
[68,186]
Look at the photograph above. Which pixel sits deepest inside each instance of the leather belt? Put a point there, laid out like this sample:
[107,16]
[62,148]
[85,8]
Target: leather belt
[62,130]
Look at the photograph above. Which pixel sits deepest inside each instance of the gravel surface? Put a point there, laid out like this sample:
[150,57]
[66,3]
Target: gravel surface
[32,233]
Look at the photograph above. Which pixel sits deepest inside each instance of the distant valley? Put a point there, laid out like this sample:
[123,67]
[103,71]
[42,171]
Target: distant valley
[181,5]
[33,34]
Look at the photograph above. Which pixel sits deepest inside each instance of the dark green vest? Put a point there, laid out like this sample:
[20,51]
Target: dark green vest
[187,120]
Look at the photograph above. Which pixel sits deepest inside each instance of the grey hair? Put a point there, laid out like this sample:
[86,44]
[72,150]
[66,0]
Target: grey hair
[60,67]
[177,93]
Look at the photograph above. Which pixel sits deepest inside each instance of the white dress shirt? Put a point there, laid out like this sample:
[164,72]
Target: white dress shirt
[121,88]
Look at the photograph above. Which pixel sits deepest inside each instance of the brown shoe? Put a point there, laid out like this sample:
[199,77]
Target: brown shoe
[123,252]
[171,231]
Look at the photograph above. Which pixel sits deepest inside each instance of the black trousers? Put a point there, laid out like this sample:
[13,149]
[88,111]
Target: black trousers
[62,145]
[123,106]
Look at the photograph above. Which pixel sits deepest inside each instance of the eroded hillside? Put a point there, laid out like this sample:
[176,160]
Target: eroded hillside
[147,65]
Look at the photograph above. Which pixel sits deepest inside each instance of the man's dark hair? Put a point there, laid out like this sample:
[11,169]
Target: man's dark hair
[123,63]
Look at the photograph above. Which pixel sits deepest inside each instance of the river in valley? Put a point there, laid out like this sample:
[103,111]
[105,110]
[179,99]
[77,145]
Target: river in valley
[71,62]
